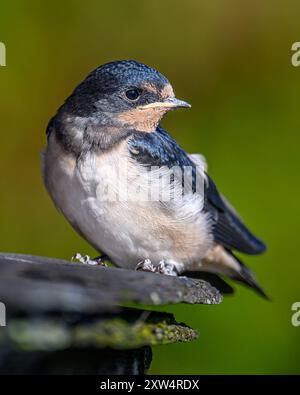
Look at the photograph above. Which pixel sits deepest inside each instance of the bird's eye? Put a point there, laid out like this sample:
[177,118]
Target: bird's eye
[132,94]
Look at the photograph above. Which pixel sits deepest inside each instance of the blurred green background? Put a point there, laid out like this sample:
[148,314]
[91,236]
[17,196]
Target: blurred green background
[232,61]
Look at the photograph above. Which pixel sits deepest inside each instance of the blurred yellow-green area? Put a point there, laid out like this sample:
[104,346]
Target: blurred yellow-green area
[232,61]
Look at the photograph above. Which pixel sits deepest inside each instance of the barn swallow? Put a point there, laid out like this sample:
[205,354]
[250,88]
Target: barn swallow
[112,121]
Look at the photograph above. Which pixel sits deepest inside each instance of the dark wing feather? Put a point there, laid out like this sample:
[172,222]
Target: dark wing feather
[160,149]
[228,229]
[157,149]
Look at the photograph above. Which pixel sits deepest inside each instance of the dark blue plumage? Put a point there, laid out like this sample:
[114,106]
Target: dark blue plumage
[158,149]
[107,83]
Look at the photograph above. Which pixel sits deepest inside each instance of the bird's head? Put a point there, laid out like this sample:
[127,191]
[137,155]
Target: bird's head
[124,94]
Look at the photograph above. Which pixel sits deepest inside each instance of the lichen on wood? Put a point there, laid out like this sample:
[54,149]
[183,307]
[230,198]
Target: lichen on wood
[125,330]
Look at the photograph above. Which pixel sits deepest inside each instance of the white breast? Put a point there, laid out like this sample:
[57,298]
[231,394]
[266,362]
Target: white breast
[128,231]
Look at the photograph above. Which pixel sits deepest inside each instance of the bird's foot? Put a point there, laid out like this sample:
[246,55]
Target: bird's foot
[163,267]
[86,260]
[146,266]
[167,268]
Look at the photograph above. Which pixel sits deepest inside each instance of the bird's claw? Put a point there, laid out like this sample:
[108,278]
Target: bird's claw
[168,268]
[86,260]
[163,267]
[146,266]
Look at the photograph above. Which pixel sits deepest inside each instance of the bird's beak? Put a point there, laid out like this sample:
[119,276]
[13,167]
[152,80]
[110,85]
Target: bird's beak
[170,103]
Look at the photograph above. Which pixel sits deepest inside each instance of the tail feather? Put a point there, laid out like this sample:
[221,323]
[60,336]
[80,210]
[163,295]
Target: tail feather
[222,261]
[245,276]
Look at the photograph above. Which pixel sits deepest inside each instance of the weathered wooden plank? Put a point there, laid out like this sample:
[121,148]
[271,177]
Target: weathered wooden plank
[37,284]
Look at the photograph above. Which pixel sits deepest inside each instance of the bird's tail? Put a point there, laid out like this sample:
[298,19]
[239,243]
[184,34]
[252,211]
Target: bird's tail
[222,261]
[246,276]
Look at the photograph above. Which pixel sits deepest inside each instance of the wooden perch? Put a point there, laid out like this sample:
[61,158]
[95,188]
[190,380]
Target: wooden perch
[66,318]
[127,329]
[37,284]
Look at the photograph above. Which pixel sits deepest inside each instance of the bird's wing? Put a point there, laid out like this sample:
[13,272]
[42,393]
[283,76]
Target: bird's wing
[228,228]
[157,149]
[160,149]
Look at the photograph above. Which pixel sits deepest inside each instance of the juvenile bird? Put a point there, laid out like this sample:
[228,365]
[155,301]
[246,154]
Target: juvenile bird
[105,165]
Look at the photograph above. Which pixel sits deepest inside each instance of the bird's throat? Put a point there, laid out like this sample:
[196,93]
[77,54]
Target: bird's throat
[143,120]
